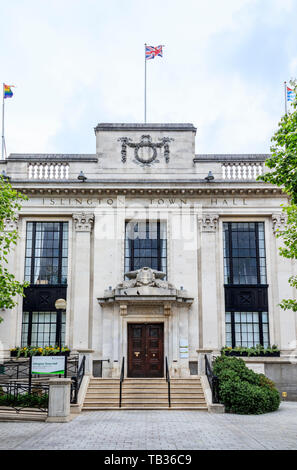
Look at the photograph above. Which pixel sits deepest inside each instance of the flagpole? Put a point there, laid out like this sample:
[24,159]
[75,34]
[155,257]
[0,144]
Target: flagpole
[286,103]
[2,154]
[145,83]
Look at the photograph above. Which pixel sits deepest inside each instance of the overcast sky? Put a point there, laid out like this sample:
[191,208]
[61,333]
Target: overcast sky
[76,63]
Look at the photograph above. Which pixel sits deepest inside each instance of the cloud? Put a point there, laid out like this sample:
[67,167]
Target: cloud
[79,62]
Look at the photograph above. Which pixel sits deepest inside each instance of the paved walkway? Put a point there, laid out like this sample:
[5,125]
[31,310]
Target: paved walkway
[153,430]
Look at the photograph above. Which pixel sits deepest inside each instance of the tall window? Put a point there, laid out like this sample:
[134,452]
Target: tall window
[42,329]
[245,284]
[244,253]
[46,253]
[247,329]
[146,245]
[46,271]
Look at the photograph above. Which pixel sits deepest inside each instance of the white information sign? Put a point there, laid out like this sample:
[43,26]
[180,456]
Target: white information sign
[54,365]
[183,348]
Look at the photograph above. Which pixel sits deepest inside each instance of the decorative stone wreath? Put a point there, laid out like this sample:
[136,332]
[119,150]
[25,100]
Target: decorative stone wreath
[146,141]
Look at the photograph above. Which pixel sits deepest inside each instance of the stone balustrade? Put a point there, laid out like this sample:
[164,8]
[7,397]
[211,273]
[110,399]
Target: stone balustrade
[241,170]
[48,171]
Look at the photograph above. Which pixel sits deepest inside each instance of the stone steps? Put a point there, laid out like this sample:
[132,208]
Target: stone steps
[142,393]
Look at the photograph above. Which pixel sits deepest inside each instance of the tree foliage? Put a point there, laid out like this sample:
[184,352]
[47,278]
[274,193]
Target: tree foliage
[10,204]
[283,172]
[283,159]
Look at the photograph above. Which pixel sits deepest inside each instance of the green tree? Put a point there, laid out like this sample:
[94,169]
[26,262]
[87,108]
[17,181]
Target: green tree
[283,172]
[10,204]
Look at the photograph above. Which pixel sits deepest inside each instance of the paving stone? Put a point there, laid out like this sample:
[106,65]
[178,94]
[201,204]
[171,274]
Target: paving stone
[157,430]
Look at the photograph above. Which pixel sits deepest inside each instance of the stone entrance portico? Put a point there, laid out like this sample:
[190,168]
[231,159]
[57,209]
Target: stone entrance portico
[146,298]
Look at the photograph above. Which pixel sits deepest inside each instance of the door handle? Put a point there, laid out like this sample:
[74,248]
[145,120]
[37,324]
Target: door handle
[136,353]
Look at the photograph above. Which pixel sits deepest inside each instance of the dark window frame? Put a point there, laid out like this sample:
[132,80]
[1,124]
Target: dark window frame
[60,326]
[230,259]
[130,246]
[260,323]
[33,256]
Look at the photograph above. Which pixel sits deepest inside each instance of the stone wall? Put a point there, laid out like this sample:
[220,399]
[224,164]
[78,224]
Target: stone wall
[285,378]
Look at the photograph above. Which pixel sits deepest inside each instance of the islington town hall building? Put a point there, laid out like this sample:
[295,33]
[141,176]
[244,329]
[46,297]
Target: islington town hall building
[160,253]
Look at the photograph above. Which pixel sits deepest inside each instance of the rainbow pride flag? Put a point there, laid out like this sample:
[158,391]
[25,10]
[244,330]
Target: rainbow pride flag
[7,93]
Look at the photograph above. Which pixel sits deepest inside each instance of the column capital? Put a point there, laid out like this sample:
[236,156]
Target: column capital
[208,222]
[123,310]
[11,224]
[83,221]
[279,220]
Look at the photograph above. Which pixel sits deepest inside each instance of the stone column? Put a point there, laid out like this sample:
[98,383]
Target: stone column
[285,321]
[9,332]
[59,401]
[81,269]
[208,278]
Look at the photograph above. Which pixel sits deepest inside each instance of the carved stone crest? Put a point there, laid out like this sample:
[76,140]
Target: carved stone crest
[145,285]
[145,151]
[145,277]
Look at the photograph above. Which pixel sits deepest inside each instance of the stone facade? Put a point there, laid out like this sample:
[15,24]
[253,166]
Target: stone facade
[148,172]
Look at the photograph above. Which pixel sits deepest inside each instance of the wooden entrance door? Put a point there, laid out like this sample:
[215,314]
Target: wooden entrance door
[145,350]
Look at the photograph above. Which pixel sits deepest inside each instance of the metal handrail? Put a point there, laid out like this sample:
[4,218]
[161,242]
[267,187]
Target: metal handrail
[122,380]
[212,380]
[77,380]
[168,381]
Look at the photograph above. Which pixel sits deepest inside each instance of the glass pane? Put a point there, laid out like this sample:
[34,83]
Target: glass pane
[240,253]
[46,251]
[145,245]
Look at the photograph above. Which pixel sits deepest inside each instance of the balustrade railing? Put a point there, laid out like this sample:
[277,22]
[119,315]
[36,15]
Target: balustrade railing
[48,171]
[241,170]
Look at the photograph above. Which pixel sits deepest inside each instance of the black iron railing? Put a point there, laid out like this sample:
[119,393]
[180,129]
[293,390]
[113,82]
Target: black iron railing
[24,396]
[76,381]
[19,369]
[213,381]
[168,381]
[122,380]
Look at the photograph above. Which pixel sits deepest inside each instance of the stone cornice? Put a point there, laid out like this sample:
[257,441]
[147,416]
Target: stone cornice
[145,127]
[231,158]
[153,190]
[45,158]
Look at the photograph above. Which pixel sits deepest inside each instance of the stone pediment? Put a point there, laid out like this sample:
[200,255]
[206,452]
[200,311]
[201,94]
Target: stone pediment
[145,284]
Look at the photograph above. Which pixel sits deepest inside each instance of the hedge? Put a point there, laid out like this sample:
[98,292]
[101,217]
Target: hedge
[241,390]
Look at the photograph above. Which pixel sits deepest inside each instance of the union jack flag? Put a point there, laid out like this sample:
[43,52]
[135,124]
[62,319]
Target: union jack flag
[151,52]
